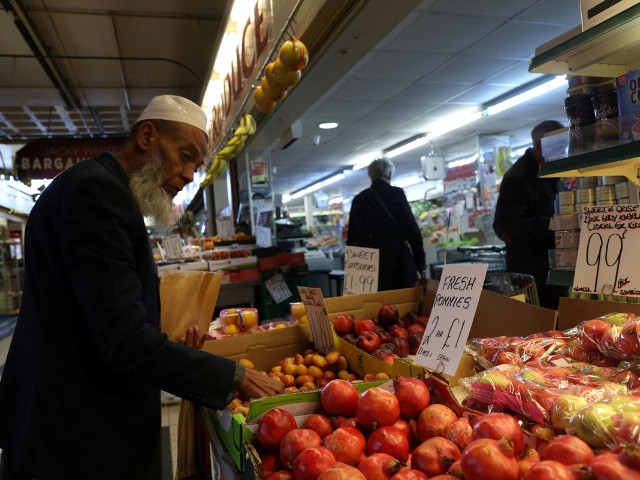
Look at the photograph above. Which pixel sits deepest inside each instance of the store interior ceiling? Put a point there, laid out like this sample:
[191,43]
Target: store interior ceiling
[391,71]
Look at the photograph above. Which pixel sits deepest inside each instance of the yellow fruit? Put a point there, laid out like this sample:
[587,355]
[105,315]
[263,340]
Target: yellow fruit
[332,357]
[248,319]
[290,369]
[301,379]
[302,369]
[297,310]
[342,363]
[343,374]
[315,372]
[319,361]
[231,329]
[283,76]
[293,54]
[262,102]
[304,319]
[288,380]
[272,93]
[382,376]
[246,363]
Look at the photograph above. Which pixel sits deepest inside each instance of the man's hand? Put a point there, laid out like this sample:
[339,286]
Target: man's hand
[193,338]
[258,385]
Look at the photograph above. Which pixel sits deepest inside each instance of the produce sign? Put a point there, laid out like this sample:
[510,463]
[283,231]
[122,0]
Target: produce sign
[319,322]
[450,320]
[360,270]
[606,257]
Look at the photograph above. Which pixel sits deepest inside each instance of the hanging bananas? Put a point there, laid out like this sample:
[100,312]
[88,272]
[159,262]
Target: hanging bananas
[235,144]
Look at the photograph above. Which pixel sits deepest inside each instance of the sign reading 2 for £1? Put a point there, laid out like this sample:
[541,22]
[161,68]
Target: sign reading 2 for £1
[607,261]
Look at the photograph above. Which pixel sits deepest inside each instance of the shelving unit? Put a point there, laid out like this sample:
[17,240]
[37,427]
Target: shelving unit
[609,49]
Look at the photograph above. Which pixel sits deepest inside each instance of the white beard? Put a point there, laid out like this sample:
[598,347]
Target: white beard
[152,200]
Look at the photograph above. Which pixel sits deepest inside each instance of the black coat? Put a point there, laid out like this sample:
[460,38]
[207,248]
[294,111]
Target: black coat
[523,215]
[371,226]
[79,395]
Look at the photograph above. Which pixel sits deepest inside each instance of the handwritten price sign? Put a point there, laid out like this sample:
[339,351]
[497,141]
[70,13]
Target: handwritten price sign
[360,270]
[604,265]
[278,288]
[451,316]
[172,245]
[319,322]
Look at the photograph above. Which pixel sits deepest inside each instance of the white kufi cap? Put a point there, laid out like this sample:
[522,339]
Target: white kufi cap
[175,109]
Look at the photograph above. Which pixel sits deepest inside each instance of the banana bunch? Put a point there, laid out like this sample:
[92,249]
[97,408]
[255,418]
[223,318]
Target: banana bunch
[246,126]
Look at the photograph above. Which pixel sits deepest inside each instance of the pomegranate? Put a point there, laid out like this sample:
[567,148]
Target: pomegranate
[273,426]
[345,422]
[434,456]
[405,427]
[433,420]
[311,462]
[389,440]
[269,463]
[294,442]
[413,395]
[377,408]
[498,425]
[342,471]
[339,398]
[567,449]
[579,471]
[409,474]
[609,466]
[488,458]
[281,475]
[379,466]
[546,469]
[321,424]
[455,470]
[459,432]
[527,458]
[347,445]
[444,477]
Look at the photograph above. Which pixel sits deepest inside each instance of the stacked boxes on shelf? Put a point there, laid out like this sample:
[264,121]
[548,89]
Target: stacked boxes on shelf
[237,265]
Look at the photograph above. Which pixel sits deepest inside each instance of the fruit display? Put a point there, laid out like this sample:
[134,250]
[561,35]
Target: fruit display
[235,144]
[583,381]
[281,74]
[236,320]
[387,336]
[355,435]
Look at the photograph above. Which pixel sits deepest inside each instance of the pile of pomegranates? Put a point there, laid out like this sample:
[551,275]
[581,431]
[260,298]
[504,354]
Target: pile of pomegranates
[400,435]
[387,336]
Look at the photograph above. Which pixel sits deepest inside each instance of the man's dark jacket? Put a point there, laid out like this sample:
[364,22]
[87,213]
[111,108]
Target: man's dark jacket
[79,395]
[371,226]
[523,213]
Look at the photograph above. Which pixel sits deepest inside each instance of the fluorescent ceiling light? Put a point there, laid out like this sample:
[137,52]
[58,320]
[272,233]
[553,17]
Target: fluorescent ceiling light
[463,161]
[335,200]
[328,125]
[317,186]
[286,197]
[410,145]
[453,123]
[558,81]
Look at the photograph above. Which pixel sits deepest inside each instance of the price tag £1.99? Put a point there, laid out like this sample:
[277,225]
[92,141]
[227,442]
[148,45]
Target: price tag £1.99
[451,316]
[360,270]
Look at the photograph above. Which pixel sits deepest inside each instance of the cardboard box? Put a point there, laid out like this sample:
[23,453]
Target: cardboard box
[572,311]
[628,90]
[594,12]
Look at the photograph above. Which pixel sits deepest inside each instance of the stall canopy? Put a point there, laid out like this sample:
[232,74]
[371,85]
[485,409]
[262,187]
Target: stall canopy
[47,157]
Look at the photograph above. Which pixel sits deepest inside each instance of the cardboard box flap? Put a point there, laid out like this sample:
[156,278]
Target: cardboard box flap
[499,315]
[367,305]
[572,311]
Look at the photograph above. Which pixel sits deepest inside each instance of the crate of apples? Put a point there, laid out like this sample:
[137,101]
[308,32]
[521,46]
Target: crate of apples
[387,336]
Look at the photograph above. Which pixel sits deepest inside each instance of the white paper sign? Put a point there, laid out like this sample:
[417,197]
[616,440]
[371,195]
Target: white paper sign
[278,288]
[172,245]
[319,322]
[225,227]
[360,270]
[607,259]
[451,316]
[263,236]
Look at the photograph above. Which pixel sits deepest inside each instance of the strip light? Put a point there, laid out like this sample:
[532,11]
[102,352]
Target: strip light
[558,81]
[453,123]
[405,147]
[316,186]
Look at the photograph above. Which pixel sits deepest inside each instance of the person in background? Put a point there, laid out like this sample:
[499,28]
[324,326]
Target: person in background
[80,391]
[381,218]
[523,214]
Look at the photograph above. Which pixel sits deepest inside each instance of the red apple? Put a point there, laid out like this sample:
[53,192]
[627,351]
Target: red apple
[368,341]
[366,325]
[344,324]
[388,315]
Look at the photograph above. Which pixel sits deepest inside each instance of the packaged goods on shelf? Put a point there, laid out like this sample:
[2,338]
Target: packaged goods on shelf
[594,12]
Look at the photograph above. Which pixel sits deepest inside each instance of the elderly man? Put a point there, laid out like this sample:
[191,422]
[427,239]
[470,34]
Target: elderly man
[79,395]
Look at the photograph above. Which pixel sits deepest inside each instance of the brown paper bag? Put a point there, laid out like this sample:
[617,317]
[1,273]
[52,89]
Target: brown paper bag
[188,298]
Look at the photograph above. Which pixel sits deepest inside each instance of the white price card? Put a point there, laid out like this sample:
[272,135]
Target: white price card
[360,270]
[451,316]
[172,245]
[607,252]
[278,288]
[263,236]
[225,227]
[319,322]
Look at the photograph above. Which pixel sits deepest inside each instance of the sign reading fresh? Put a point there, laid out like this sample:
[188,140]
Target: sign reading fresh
[451,316]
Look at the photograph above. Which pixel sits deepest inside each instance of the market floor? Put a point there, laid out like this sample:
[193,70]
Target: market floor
[170,412]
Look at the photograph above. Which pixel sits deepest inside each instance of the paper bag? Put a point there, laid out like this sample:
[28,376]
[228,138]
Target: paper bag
[188,298]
